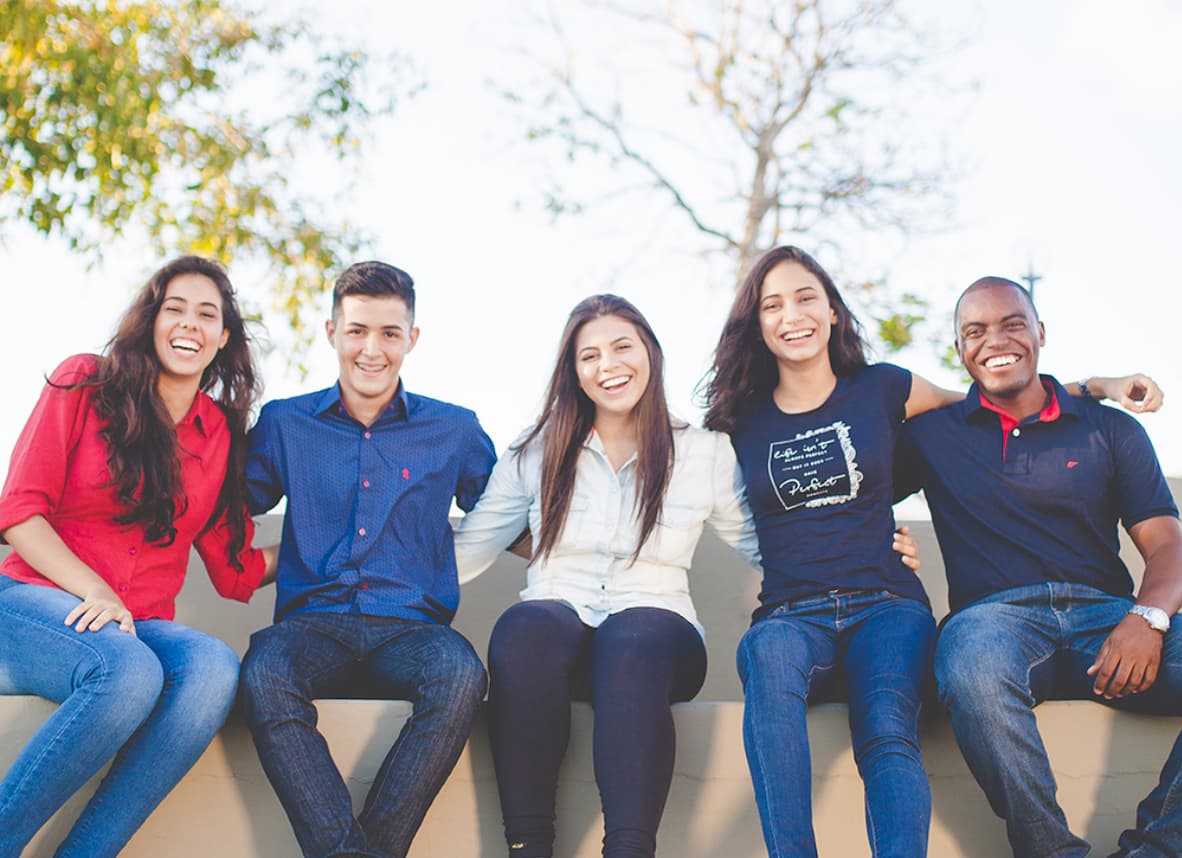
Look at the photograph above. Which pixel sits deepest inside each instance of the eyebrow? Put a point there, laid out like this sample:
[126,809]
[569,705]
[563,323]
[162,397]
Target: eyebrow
[1004,319]
[184,300]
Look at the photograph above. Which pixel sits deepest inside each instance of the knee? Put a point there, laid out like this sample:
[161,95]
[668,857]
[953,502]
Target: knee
[213,670]
[530,630]
[769,657]
[455,673]
[975,669]
[126,675]
[266,677]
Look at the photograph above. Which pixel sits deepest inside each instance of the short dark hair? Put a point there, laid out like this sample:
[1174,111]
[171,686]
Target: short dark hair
[989,282]
[376,279]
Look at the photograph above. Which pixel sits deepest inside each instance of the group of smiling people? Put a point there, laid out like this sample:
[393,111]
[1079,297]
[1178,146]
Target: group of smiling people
[132,457]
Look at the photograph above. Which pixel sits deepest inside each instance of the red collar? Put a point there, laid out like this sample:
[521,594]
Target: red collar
[1008,422]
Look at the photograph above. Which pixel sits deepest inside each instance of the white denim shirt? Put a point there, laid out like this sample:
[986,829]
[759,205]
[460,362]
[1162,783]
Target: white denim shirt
[590,566]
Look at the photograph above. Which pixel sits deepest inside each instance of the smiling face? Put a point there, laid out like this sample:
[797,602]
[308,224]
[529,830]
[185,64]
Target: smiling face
[612,364]
[998,338]
[372,335]
[188,329]
[795,316]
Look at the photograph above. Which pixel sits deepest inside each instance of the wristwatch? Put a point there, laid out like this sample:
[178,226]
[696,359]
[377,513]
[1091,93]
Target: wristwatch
[1158,619]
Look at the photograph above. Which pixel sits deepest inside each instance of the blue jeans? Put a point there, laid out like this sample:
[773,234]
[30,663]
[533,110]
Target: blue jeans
[1000,657]
[151,701]
[314,655]
[879,648]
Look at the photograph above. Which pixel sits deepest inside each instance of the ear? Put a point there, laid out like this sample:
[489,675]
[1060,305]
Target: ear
[1042,335]
[832,316]
[412,339]
[225,338]
[330,330]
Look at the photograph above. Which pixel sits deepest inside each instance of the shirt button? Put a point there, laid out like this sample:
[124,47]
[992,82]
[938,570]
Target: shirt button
[361,531]
[1016,432]
[367,436]
[132,551]
[122,588]
[365,484]
[364,586]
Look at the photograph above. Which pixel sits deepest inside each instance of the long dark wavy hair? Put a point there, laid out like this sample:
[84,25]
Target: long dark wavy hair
[744,371]
[142,451]
[568,416]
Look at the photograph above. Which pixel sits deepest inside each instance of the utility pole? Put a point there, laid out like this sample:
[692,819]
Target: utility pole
[1030,277]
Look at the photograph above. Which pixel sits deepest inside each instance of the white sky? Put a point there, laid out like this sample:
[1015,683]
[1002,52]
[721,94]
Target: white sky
[1071,146]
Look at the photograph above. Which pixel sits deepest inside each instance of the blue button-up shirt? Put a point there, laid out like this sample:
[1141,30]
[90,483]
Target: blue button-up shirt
[366,529]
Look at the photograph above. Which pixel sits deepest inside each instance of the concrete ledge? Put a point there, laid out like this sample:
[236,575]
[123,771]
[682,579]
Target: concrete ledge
[1105,761]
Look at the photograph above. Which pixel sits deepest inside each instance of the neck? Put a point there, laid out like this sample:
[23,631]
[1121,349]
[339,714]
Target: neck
[1027,402]
[178,396]
[619,435]
[365,411]
[804,387]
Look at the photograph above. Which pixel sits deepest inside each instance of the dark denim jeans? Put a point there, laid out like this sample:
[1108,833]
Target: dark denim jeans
[1000,657]
[316,655]
[150,703]
[879,648]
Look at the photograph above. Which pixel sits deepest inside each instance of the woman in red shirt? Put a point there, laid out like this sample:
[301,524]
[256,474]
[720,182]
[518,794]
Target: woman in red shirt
[127,461]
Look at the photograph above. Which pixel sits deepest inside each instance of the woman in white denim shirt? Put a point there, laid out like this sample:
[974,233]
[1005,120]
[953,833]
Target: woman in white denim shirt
[615,492]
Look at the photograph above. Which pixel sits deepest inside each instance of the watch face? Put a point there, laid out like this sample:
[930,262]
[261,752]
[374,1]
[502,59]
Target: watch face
[1158,619]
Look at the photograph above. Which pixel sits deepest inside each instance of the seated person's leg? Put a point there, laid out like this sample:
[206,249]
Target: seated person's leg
[887,664]
[994,661]
[435,668]
[286,667]
[200,679]
[642,660]
[534,652]
[107,683]
[782,659]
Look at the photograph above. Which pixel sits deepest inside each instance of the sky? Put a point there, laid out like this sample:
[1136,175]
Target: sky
[1066,140]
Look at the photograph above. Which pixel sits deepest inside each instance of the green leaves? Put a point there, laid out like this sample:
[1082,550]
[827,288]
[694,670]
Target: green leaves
[129,114]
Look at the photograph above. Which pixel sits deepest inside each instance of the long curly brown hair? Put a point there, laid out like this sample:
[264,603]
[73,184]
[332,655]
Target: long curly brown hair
[744,371]
[568,416]
[143,456]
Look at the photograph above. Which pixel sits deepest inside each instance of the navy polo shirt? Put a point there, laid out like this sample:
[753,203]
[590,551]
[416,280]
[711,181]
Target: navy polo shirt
[366,529]
[819,487]
[1038,503]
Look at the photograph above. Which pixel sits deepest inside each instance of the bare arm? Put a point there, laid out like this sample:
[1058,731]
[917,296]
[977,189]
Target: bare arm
[926,396]
[1129,659]
[39,545]
[271,556]
[1137,393]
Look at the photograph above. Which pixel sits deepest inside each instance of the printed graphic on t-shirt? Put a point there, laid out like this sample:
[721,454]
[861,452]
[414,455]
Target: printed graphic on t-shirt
[815,468]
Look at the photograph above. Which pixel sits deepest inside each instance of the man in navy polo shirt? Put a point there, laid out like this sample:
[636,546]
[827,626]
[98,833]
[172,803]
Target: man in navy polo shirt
[1026,487]
[367,581]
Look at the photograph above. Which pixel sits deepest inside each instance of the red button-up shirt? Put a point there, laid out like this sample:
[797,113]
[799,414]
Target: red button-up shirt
[59,470]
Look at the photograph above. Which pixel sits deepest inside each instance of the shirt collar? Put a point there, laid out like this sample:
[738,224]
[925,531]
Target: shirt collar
[202,414]
[976,407]
[330,402]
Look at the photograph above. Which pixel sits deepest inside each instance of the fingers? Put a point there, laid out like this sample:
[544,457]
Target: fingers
[906,547]
[1141,394]
[93,613]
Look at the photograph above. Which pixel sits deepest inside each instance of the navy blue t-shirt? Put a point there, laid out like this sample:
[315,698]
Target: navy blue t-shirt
[819,486]
[1039,505]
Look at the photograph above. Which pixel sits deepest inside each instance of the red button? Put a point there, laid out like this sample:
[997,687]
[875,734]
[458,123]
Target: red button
[131,551]
[367,435]
[364,586]
[365,483]
[122,588]
[361,531]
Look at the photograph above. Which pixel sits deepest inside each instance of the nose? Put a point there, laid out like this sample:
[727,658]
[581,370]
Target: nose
[371,344]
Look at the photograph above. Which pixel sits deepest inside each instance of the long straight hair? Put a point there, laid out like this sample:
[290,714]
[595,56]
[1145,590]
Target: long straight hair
[744,371]
[568,416]
[143,455]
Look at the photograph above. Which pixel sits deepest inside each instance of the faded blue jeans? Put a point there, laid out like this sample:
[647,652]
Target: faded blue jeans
[876,647]
[1005,654]
[151,701]
[314,655]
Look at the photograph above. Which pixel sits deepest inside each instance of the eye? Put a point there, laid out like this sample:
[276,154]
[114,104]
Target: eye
[393,335]
[1016,325]
[210,315]
[587,357]
[972,334]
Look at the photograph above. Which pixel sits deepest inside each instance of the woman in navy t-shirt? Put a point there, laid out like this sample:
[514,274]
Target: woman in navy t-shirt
[813,426]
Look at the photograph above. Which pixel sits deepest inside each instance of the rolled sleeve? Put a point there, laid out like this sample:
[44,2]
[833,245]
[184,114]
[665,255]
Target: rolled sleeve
[213,547]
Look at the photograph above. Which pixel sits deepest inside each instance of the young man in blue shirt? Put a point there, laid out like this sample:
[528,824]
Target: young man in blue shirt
[367,583]
[1026,487]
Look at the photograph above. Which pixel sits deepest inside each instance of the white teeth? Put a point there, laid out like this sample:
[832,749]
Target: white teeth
[1001,360]
[185,344]
[615,382]
[797,335]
